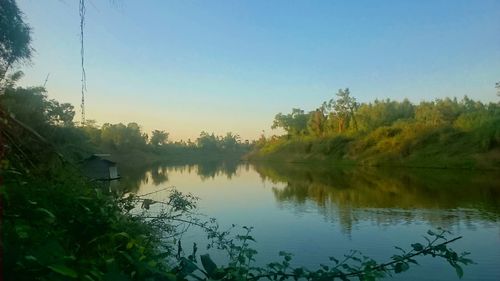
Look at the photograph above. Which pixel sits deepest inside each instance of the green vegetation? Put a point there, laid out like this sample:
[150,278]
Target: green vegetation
[59,226]
[15,38]
[445,133]
[56,225]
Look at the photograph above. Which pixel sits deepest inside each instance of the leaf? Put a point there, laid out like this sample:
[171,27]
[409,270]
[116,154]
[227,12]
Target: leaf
[334,260]
[30,258]
[209,265]
[122,234]
[298,271]
[417,247]
[459,270]
[22,231]
[401,267]
[412,261]
[49,214]
[188,266]
[401,249]
[405,267]
[63,270]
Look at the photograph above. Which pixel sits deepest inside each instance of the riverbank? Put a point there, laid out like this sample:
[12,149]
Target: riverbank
[389,147]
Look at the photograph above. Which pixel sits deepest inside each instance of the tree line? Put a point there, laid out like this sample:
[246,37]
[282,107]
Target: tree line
[55,121]
[344,115]
[391,131]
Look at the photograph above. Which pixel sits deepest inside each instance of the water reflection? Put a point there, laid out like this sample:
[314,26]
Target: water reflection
[349,194]
[314,211]
[133,178]
[387,196]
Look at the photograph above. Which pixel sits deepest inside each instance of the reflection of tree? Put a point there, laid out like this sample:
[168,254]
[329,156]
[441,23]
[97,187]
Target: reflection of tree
[134,177]
[210,169]
[387,196]
[159,175]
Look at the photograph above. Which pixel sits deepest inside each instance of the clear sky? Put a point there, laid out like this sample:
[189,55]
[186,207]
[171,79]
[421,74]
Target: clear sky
[186,66]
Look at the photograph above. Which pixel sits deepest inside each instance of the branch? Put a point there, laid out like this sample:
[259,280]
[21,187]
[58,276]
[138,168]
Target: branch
[379,267]
[405,258]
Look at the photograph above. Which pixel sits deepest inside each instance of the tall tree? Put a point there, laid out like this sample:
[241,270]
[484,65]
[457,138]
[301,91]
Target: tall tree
[344,107]
[15,37]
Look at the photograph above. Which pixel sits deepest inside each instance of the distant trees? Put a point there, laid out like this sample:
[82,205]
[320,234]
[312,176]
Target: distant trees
[207,141]
[444,132]
[343,126]
[228,143]
[332,117]
[119,136]
[231,142]
[158,138]
[54,121]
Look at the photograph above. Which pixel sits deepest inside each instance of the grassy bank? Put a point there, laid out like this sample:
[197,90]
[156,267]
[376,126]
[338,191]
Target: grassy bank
[405,144]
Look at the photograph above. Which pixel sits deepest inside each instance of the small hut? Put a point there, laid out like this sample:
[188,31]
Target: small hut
[98,168]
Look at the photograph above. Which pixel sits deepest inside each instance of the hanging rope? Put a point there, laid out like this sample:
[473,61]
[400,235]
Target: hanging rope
[82,55]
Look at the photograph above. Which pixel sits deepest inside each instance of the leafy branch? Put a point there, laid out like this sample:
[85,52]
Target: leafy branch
[354,264]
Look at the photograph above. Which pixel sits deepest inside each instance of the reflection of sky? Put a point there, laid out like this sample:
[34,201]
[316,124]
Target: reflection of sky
[314,233]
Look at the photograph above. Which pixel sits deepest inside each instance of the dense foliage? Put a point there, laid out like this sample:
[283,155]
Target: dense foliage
[442,133]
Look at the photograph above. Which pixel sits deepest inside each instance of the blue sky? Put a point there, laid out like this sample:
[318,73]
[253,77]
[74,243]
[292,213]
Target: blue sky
[218,66]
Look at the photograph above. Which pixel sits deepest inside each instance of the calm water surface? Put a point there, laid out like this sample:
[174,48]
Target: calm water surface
[316,213]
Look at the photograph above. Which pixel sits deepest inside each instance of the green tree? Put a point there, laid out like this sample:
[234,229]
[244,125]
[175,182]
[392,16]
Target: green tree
[92,131]
[134,135]
[119,136]
[383,113]
[294,123]
[61,114]
[158,138]
[207,141]
[230,142]
[15,37]
[31,106]
[344,107]
[316,123]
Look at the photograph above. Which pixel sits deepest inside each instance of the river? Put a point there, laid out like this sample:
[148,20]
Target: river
[316,212]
